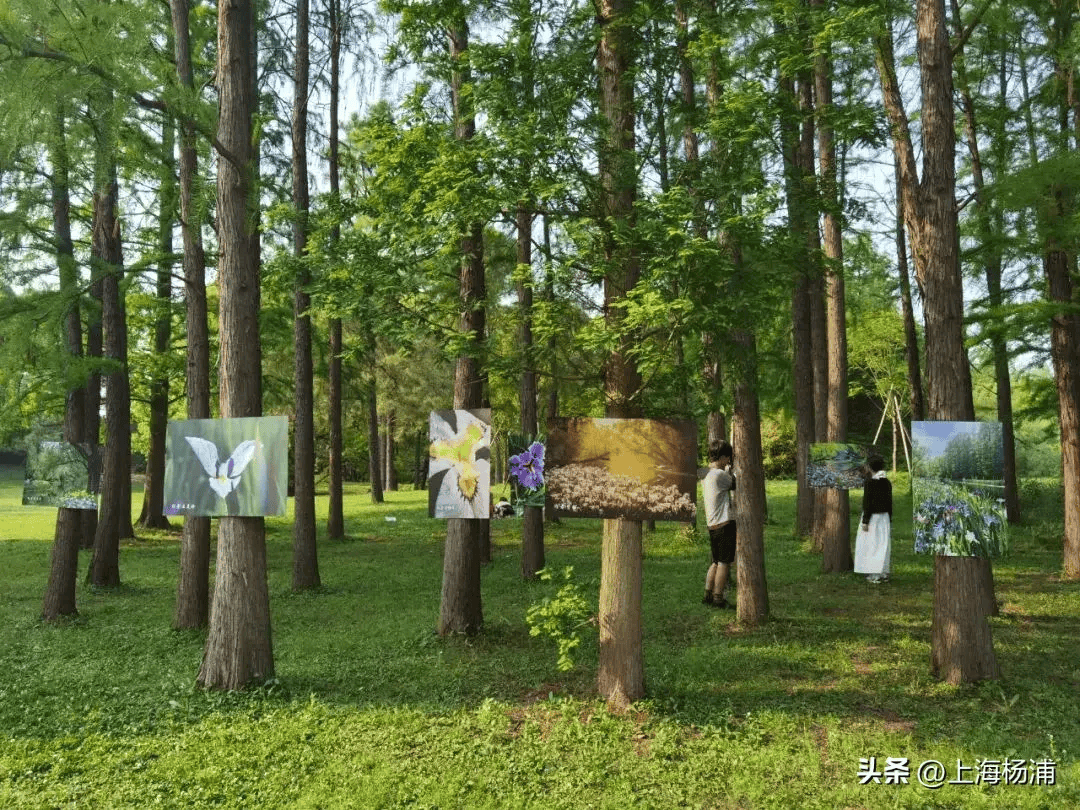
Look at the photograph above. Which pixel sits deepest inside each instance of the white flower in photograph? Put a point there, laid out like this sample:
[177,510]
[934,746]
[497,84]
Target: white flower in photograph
[224,477]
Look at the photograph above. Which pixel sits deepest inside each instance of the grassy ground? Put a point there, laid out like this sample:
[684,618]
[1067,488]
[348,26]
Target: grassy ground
[371,709]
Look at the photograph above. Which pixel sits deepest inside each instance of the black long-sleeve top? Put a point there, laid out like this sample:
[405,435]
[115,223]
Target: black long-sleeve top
[877,497]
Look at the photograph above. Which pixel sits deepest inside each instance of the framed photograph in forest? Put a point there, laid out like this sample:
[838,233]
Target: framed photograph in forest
[60,474]
[638,469]
[459,469]
[236,467]
[958,489]
[837,465]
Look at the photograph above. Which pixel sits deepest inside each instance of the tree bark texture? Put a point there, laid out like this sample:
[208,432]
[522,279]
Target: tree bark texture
[802,356]
[753,601]
[621,675]
[116,468]
[532,526]
[335,521]
[390,481]
[305,552]
[238,646]
[836,527]
[961,644]
[92,409]
[59,599]
[461,609]
[193,586]
[152,515]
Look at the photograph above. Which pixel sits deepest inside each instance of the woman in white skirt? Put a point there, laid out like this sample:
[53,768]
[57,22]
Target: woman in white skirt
[873,543]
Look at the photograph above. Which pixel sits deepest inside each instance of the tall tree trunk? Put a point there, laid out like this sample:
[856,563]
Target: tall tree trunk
[532,528]
[59,599]
[390,479]
[753,602]
[374,456]
[153,506]
[836,527]
[989,223]
[802,345]
[461,609]
[962,648]
[92,409]
[621,674]
[305,553]
[1059,265]
[238,647]
[193,586]
[116,469]
[335,522]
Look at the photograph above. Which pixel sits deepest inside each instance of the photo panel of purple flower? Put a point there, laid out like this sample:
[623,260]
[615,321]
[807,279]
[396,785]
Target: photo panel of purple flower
[638,469]
[237,467]
[525,470]
[958,489]
[459,470]
[837,465]
[61,475]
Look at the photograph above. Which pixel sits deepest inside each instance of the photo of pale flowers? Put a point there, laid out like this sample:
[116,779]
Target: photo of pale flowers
[459,472]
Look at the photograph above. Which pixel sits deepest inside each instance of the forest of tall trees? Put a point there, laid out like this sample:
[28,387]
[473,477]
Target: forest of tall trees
[702,209]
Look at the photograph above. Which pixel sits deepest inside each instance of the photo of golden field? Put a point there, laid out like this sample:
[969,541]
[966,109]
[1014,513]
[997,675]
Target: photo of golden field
[638,469]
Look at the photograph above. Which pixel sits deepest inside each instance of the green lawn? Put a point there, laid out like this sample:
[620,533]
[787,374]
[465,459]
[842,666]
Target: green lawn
[371,709]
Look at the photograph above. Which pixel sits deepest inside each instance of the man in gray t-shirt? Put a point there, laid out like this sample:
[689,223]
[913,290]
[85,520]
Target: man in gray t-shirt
[716,489]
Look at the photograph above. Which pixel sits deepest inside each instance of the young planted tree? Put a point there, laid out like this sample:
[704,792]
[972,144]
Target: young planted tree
[962,649]
[238,647]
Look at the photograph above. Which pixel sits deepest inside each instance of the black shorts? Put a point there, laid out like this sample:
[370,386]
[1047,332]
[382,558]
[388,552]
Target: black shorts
[722,541]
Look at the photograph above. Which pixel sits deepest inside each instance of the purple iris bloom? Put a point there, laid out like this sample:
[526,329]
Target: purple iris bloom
[528,467]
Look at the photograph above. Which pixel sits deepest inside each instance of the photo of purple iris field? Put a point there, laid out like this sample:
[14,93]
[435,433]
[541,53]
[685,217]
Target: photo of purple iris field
[234,467]
[638,469]
[459,472]
[957,489]
[837,465]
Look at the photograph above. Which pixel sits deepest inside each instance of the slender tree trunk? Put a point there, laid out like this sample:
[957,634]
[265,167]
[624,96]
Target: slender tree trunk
[106,248]
[621,675]
[92,410]
[911,338]
[532,529]
[59,599]
[802,345]
[335,522]
[962,648]
[836,527]
[153,506]
[461,609]
[305,552]
[193,587]
[391,482]
[374,456]
[238,647]
[989,223]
